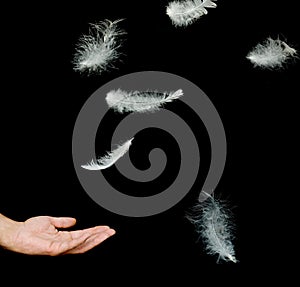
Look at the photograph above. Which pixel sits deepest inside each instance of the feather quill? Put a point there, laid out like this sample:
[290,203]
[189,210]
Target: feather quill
[184,13]
[96,52]
[110,158]
[122,101]
[271,54]
[212,221]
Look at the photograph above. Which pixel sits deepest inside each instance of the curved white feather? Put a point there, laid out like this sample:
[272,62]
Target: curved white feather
[212,222]
[109,159]
[149,101]
[96,52]
[184,13]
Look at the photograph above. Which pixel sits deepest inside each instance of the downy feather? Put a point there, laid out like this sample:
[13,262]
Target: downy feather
[184,13]
[96,52]
[110,158]
[150,101]
[212,221]
[271,54]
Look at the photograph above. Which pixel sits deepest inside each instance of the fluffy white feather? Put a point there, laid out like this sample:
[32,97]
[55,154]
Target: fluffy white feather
[122,101]
[184,13]
[271,54]
[96,52]
[110,158]
[213,223]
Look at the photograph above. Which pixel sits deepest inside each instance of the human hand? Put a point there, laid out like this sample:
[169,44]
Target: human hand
[40,236]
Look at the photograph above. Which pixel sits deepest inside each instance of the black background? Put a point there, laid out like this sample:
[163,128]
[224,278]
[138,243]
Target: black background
[42,96]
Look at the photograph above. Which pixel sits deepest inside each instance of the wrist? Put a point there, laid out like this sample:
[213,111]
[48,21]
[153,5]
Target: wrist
[8,229]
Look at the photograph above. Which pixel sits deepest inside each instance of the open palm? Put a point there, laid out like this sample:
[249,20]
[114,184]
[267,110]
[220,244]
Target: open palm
[40,236]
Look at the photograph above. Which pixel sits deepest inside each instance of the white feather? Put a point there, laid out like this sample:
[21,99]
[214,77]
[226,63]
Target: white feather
[271,54]
[184,13]
[212,221]
[109,159]
[122,101]
[96,52]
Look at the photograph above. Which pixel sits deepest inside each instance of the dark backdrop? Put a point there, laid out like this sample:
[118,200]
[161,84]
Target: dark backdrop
[42,96]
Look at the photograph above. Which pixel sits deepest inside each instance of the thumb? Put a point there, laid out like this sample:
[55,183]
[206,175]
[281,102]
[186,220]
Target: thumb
[62,222]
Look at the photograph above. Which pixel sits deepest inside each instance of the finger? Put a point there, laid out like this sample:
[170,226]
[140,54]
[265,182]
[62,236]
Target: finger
[62,222]
[74,242]
[92,242]
[90,231]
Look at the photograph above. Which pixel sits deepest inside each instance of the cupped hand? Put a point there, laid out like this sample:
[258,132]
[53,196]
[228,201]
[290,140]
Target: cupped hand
[40,236]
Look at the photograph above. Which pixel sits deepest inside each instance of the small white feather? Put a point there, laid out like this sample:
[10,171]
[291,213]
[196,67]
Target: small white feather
[184,13]
[97,51]
[150,101]
[271,54]
[213,223]
[110,158]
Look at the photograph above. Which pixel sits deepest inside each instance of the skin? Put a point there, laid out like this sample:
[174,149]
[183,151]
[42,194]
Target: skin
[40,236]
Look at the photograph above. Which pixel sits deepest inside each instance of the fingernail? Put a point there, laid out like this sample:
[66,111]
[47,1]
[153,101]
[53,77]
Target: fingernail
[110,232]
